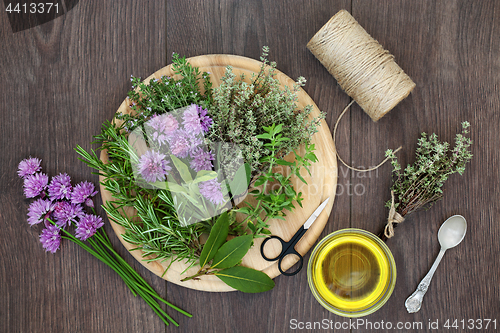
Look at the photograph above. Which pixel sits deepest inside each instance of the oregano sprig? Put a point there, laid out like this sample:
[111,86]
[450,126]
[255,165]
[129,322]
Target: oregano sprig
[274,202]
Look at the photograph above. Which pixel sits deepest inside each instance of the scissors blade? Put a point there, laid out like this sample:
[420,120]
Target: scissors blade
[315,214]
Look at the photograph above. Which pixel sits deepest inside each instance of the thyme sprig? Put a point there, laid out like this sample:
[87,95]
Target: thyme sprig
[420,185]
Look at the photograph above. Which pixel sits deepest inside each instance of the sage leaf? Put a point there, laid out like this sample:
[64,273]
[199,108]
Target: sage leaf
[183,169]
[231,253]
[204,175]
[217,237]
[247,280]
[241,179]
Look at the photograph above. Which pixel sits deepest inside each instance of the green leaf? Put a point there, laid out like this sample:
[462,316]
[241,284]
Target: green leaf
[241,179]
[176,188]
[246,279]
[283,162]
[263,136]
[251,226]
[231,253]
[182,168]
[244,210]
[217,237]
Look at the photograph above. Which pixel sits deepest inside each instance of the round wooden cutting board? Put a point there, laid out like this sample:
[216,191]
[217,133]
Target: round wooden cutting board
[320,185]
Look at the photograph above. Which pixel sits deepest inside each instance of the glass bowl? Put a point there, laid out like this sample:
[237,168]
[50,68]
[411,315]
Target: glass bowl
[351,272]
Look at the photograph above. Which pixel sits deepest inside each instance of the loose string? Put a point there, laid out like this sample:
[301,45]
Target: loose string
[336,150]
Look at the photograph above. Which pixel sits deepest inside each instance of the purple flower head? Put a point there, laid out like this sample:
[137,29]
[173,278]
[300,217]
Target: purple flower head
[87,226]
[164,127]
[191,120]
[34,185]
[66,212]
[180,145]
[211,190]
[28,167]
[82,193]
[39,211]
[51,238]
[153,166]
[60,187]
[206,121]
[202,159]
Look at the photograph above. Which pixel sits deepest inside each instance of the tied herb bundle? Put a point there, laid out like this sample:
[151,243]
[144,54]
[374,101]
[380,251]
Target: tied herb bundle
[256,115]
[420,185]
[59,205]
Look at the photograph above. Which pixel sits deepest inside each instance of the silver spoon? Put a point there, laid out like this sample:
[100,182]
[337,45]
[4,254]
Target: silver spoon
[450,234]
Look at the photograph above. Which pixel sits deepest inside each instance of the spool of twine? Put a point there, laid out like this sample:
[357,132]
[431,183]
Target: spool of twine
[361,66]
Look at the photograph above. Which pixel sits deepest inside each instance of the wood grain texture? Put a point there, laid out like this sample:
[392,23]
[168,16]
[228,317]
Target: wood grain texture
[320,184]
[59,81]
[451,52]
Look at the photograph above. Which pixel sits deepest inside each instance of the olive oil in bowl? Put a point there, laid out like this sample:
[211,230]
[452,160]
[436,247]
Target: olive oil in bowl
[351,272]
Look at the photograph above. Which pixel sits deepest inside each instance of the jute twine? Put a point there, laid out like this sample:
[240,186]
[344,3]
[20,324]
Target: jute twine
[361,66]
[394,217]
[363,69]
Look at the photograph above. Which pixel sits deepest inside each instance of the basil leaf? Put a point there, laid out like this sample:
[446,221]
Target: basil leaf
[231,253]
[217,237]
[246,279]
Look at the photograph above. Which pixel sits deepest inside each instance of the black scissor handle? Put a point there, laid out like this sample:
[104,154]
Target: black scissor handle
[290,251]
[283,247]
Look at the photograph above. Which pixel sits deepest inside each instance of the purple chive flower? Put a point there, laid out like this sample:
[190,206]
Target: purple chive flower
[180,144]
[28,167]
[60,187]
[82,193]
[87,226]
[211,190]
[50,238]
[34,185]
[66,212]
[153,166]
[39,211]
[191,120]
[202,159]
[206,121]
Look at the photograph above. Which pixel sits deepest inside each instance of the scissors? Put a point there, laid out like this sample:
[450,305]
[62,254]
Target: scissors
[289,247]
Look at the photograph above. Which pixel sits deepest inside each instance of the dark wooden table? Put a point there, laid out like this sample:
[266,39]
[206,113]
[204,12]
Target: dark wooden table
[60,80]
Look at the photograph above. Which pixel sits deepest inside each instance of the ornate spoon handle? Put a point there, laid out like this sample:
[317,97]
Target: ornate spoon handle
[414,302]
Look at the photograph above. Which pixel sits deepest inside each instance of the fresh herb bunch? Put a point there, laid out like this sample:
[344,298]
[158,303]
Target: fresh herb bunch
[273,203]
[222,258]
[168,93]
[242,109]
[150,215]
[420,185]
[147,214]
[59,205]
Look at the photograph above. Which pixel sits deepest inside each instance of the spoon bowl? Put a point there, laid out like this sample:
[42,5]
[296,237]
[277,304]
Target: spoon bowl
[452,231]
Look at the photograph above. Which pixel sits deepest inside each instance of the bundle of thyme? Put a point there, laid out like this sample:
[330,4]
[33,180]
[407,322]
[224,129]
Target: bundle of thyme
[420,185]
[242,109]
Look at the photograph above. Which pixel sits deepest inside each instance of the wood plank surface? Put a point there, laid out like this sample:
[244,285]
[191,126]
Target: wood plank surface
[59,81]
[62,79]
